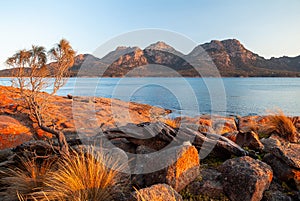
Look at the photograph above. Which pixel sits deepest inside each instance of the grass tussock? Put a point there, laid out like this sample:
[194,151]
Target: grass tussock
[174,123]
[282,126]
[84,175]
[139,195]
[155,195]
[89,175]
[25,181]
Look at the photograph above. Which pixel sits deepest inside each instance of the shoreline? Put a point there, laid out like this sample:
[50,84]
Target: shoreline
[88,114]
[170,111]
[242,94]
[175,77]
[238,144]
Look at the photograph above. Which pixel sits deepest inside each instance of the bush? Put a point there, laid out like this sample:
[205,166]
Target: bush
[174,123]
[282,126]
[26,180]
[83,175]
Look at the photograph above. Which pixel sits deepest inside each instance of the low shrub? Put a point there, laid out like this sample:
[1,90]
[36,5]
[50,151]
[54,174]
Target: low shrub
[282,126]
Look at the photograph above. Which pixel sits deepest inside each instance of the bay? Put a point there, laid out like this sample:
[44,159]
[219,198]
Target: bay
[193,96]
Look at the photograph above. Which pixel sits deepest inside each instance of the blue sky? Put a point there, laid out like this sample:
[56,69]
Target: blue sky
[267,27]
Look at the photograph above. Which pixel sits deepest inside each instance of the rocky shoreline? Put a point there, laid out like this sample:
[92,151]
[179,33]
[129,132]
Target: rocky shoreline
[214,157]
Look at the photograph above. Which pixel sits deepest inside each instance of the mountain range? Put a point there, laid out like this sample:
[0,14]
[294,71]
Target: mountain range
[228,58]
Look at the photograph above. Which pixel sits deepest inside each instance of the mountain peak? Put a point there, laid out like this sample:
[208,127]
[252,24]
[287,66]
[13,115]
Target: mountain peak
[82,57]
[138,52]
[229,56]
[122,48]
[162,46]
[159,45]
[119,51]
[233,45]
[231,40]
[229,45]
[226,41]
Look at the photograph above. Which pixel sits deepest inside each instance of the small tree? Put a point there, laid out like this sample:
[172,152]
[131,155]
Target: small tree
[32,76]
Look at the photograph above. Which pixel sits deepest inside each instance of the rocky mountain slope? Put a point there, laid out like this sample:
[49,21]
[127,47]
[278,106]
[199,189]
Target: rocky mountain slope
[233,59]
[227,58]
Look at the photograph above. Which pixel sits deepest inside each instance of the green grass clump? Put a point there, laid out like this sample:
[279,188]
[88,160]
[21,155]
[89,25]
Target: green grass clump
[212,161]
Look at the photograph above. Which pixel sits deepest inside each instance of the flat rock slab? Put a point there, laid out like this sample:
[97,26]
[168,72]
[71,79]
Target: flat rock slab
[12,132]
[212,123]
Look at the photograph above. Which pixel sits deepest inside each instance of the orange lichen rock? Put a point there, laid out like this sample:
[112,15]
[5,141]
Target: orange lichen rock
[12,132]
[182,167]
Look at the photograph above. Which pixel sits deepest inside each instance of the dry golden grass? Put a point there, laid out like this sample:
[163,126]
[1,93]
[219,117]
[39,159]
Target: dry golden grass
[84,176]
[139,195]
[23,198]
[282,126]
[155,195]
[28,179]
[174,123]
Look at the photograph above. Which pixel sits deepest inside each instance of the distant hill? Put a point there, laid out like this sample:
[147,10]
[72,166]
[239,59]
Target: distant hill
[233,59]
[160,59]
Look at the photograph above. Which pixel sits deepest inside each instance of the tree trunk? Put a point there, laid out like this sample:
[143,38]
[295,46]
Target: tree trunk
[64,147]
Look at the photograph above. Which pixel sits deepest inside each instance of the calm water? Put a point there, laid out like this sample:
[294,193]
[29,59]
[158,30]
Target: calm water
[191,96]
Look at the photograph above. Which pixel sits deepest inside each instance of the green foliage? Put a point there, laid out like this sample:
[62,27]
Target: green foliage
[263,135]
[211,161]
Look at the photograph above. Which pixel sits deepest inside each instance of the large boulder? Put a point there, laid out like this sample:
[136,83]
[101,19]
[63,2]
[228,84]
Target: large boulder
[272,142]
[245,179]
[177,166]
[278,191]
[283,171]
[276,196]
[159,136]
[5,154]
[249,139]
[12,132]
[158,192]
[139,178]
[124,144]
[208,184]
[284,150]
[153,135]
[296,121]
[252,123]
[289,154]
[212,123]
[284,159]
